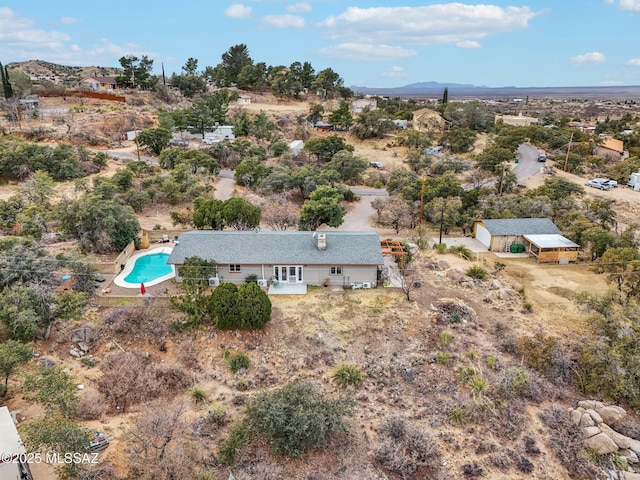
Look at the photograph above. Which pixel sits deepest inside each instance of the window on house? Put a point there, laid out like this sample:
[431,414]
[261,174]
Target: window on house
[335,271]
[234,268]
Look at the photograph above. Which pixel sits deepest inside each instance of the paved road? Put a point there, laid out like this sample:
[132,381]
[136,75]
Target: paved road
[528,164]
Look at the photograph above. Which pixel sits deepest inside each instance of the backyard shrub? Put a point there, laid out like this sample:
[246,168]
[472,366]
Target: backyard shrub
[477,272]
[462,251]
[237,361]
[348,375]
[406,448]
[253,306]
[222,306]
[296,417]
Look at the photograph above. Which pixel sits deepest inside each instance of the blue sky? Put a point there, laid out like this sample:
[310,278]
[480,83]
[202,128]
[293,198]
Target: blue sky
[369,43]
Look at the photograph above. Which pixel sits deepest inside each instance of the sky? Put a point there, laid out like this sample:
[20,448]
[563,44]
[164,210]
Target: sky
[374,43]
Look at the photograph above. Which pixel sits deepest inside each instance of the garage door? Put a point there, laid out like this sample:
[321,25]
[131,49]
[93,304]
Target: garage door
[483,236]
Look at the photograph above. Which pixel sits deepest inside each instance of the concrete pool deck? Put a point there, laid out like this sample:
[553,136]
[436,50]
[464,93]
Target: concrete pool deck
[119,280]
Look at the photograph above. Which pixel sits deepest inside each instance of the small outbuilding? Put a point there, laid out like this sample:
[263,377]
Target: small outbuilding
[295,147]
[13,464]
[499,234]
[551,248]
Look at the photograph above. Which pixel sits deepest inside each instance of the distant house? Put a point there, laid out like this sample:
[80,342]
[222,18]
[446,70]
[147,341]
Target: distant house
[403,124]
[516,120]
[323,126]
[296,147]
[221,132]
[244,99]
[99,83]
[362,104]
[610,148]
[427,120]
[13,464]
[292,258]
[540,237]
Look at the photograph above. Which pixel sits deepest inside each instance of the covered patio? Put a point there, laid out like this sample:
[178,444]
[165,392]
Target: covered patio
[551,248]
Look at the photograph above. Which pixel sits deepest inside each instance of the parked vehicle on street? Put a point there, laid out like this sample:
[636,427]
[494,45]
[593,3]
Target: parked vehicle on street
[542,158]
[377,165]
[601,183]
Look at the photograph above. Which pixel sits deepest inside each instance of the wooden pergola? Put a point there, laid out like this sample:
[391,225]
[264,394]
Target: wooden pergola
[392,247]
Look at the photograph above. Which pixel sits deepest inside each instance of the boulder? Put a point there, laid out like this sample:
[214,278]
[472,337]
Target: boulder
[596,418]
[442,264]
[588,432]
[586,420]
[629,476]
[611,414]
[590,404]
[575,417]
[84,347]
[630,455]
[496,284]
[601,444]
[620,440]
[504,293]
[74,353]
[635,446]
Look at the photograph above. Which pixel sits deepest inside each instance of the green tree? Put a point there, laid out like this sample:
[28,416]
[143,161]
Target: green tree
[307,179]
[54,389]
[348,166]
[252,77]
[325,148]
[100,225]
[297,417]
[253,306]
[60,435]
[316,111]
[322,207]
[341,117]
[208,214]
[222,306]
[261,127]
[39,188]
[622,267]
[7,90]
[445,96]
[136,72]
[233,61]
[445,212]
[189,83]
[13,354]
[240,214]
[459,140]
[372,124]
[155,139]
[194,274]
[250,171]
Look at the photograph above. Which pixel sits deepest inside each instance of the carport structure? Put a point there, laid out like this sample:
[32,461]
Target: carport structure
[551,248]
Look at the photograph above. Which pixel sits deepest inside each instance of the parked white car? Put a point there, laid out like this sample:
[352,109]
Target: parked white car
[601,183]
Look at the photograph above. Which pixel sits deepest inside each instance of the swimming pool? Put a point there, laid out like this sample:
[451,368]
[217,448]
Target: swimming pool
[148,267]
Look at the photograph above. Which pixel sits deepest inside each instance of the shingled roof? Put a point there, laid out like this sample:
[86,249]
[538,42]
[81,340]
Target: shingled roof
[273,248]
[520,226]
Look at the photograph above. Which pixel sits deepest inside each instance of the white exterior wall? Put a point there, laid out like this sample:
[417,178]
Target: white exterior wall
[483,236]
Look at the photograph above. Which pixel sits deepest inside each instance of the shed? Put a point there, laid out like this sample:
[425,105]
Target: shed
[499,234]
[296,147]
[551,248]
[243,99]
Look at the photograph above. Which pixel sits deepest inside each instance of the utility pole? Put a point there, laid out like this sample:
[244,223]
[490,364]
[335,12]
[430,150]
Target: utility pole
[504,166]
[566,160]
[421,203]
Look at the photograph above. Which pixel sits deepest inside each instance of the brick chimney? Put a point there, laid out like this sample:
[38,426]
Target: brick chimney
[322,241]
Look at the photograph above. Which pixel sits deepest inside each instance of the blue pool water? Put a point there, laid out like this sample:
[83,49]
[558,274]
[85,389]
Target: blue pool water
[149,268]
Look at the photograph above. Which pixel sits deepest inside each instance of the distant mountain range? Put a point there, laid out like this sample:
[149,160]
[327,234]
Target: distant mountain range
[436,89]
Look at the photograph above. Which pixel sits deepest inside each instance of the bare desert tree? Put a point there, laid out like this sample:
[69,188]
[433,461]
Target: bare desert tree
[395,213]
[156,441]
[280,214]
[407,277]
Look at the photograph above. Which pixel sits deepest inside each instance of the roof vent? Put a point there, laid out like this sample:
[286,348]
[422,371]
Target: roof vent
[322,241]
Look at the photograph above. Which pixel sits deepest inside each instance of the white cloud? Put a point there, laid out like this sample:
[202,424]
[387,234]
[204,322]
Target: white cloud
[468,44]
[394,72]
[20,38]
[238,10]
[591,57]
[299,8]
[69,20]
[283,21]
[630,5]
[442,23]
[635,62]
[366,51]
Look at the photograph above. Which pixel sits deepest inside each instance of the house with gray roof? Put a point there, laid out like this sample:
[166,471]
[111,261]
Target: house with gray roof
[500,233]
[285,258]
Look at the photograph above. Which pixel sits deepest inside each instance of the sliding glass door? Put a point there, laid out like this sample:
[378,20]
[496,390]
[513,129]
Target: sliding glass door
[288,273]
